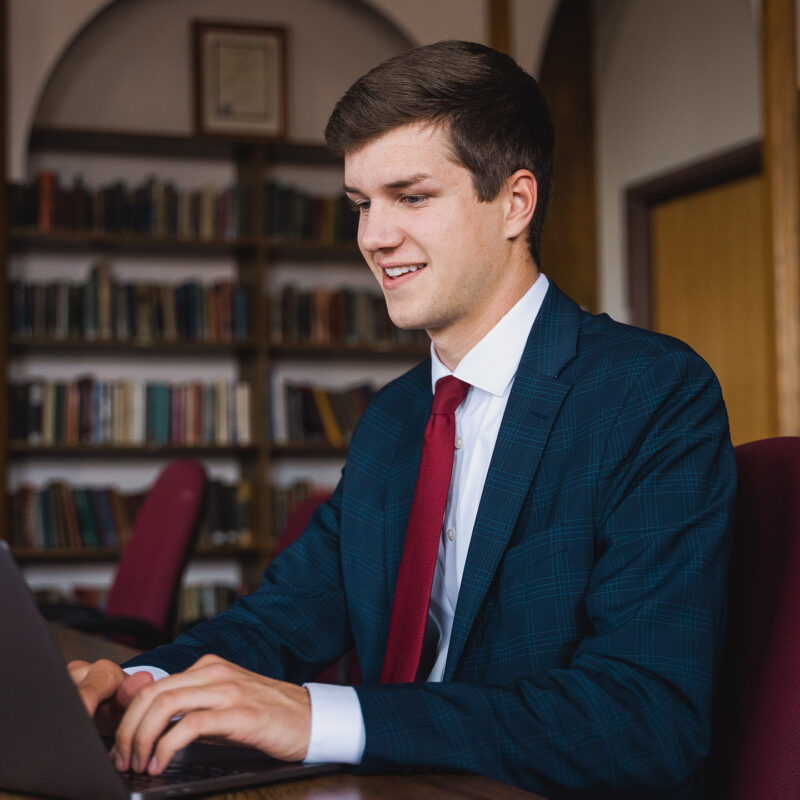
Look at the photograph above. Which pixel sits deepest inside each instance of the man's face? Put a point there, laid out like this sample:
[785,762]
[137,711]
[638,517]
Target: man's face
[437,252]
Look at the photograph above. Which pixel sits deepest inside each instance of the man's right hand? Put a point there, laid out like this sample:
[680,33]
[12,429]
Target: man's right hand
[104,680]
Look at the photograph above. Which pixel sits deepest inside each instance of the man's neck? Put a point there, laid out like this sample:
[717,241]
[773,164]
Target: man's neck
[453,343]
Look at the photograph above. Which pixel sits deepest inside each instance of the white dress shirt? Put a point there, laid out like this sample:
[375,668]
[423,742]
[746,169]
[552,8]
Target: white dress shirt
[337,724]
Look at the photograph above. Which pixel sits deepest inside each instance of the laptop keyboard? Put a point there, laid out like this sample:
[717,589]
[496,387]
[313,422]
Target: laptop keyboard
[177,773]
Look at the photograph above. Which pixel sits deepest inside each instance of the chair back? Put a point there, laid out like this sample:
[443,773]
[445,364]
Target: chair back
[149,572]
[346,670]
[299,517]
[758,724]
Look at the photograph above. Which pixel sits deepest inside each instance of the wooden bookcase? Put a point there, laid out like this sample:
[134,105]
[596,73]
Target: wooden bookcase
[253,355]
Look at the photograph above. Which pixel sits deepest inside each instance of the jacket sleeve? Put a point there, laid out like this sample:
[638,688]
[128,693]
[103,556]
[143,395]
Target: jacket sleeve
[291,627]
[629,715]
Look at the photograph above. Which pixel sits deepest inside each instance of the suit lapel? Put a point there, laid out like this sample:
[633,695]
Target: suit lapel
[405,466]
[533,405]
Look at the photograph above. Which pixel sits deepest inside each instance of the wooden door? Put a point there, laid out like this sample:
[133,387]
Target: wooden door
[711,286]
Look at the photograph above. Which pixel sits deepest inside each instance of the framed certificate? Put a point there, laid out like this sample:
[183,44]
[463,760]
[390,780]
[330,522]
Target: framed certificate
[239,80]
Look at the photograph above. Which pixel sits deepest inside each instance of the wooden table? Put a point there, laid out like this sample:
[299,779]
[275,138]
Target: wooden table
[344,786]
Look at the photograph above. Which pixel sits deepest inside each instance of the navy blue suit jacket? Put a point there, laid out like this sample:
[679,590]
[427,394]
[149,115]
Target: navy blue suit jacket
[587,632]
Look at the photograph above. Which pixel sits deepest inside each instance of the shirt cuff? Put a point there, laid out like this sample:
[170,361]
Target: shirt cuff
[337,724]
[156,672]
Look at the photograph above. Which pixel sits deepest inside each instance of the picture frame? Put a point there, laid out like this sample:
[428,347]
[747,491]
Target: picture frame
[239,80]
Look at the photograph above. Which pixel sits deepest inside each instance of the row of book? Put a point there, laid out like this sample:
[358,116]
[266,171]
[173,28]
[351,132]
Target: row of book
[294,214]
[103,309]
[227,519]
[347,315]
[152,207]
[284,499]
[59,516]
[196,603]
[122,412]
[315,415]
[159,208]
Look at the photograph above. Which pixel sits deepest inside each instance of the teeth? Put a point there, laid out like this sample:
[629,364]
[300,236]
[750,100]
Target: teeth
[396,272]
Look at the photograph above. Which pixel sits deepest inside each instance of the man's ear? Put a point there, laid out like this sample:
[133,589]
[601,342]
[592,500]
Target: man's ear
[522,195]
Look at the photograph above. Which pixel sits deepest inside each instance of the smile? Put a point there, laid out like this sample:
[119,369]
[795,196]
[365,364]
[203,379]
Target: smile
[396,272]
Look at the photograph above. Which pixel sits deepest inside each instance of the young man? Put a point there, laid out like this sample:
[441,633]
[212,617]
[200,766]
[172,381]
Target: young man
[573,601]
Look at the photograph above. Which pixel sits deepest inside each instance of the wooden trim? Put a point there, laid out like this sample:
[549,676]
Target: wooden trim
[782,186]
[568,253]
[4,261]
[500,25]
[640,198]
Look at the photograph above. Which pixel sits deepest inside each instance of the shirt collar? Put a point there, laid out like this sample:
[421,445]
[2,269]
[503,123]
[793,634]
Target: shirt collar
[480,366]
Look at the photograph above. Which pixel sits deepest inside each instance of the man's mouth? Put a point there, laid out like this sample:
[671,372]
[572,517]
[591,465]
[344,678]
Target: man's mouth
[396,272]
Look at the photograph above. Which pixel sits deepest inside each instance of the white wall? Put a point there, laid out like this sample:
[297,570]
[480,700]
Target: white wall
[675,81]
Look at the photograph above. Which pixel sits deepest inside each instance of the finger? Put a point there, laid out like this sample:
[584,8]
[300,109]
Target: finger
[131,685]
[100,682]
[77,670]
[138,704]
[219,722]
[163,710]
[209,669]
[152,710]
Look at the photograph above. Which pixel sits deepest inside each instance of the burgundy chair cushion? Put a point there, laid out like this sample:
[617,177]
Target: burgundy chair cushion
[150,569]
[346,670]
[760,685]
[299,517]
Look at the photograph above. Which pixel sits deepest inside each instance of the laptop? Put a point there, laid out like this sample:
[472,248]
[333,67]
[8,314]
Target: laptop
[49,745]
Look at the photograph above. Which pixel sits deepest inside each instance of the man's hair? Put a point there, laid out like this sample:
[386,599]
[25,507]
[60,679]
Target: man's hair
[496,115]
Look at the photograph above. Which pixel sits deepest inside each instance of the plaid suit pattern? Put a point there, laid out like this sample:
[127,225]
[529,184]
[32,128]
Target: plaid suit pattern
[587,633]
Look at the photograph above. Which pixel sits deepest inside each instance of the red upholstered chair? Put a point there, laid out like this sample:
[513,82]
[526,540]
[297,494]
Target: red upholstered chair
[142,601]
[758,723]
[346,670]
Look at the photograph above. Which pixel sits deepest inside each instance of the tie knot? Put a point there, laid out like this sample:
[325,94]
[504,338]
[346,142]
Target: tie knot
[449,393]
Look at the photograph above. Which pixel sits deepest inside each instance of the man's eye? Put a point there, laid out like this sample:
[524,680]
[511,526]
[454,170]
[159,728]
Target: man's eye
[414,199]
[359,206]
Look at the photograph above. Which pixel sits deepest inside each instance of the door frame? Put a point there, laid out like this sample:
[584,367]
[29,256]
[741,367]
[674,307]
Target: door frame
[739,162]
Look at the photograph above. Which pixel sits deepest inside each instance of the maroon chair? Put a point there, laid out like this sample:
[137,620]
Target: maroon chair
[758,721]
[346,671]
[142,603]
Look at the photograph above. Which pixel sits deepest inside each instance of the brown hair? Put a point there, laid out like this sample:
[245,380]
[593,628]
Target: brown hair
[494,111]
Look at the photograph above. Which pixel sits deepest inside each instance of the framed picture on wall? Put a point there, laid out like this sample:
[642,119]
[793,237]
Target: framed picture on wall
[239,80]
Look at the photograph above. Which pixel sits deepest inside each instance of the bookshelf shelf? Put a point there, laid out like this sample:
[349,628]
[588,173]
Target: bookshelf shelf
[307,449]
[79,140]
[27,344]
[342,350]
[298,250]
[104,554]
[24,239]
[24,450]
[32,239]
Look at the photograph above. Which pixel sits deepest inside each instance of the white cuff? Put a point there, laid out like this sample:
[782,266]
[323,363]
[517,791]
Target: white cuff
[156,672]
[337,724]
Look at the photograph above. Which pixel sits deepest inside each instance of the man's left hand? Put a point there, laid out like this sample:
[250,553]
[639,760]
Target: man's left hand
[213,698]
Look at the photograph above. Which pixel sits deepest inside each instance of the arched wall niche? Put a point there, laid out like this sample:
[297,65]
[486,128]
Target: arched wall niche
[129,67]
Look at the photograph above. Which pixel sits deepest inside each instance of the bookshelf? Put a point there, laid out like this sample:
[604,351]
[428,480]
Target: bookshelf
[250,358]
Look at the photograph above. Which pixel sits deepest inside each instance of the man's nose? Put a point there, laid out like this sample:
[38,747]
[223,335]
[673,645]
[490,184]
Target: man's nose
[378,230]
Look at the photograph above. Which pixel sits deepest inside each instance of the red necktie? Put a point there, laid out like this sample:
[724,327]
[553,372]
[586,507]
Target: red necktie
[415,578]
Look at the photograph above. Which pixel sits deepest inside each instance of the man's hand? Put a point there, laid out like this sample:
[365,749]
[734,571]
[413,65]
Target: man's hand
[213,698]
[105,680]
